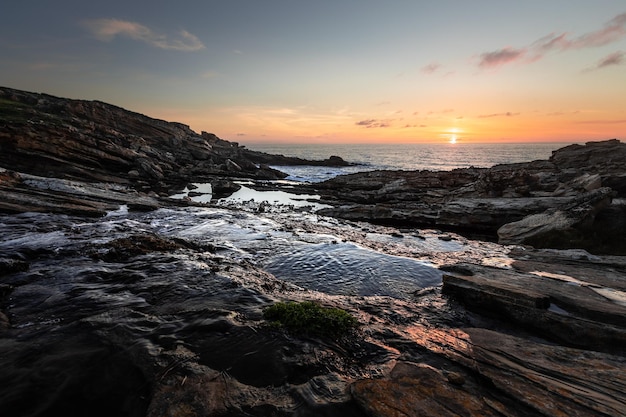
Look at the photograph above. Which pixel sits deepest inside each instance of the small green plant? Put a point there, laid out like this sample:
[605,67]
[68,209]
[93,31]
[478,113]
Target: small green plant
[311,319]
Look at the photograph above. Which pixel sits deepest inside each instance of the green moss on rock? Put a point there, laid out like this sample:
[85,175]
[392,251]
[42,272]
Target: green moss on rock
[311,319]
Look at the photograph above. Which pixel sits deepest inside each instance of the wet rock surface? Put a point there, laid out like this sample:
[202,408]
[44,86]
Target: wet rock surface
[573,200]
[160,313]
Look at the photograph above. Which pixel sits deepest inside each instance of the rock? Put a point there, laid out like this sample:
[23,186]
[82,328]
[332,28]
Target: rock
[583,309]
[224,187]
[10,266]
[602,157]
[587,182]
[558,228]
[5,323]
[455,378]
[135,245]
[566,197]
[38,194]
[97,142]
[232,166]
[421,390]
[545,379]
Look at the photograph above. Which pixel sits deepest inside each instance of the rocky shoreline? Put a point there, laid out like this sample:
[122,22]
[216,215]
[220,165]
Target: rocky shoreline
[576,199]
[157,310]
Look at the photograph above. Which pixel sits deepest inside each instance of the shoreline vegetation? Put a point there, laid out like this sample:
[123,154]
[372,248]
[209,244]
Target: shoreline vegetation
[113,316]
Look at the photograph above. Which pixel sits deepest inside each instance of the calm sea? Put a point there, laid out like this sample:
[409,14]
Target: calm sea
[438,157]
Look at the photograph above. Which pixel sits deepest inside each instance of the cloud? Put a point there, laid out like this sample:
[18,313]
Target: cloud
[500,57]
[430,68]
[550,42]
[506,114]
[614,30]
[373,123]
[106,30]
[602,122]
[616,58]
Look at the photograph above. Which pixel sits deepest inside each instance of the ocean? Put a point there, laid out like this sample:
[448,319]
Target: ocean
[436,157]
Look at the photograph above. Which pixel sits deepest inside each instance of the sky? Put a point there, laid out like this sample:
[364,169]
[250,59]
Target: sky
[341,71]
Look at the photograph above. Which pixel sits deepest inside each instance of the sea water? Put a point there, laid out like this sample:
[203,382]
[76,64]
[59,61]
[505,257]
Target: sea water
[434,157]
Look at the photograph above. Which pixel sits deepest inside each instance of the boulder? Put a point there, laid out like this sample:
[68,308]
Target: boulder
[224,187]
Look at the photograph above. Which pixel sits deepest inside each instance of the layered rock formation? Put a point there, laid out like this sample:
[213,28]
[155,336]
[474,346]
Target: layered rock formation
[575,199]
[94,141]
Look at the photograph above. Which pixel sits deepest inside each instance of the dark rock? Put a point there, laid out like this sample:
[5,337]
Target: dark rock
[455,378]
[559,227]
[5,323]
[97,142]
[575,308]
[25,193]
[135,245]
[10,266]
[563,202]
[224,187]
[544,379]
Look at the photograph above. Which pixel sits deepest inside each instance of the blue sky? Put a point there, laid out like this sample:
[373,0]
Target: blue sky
[335,71]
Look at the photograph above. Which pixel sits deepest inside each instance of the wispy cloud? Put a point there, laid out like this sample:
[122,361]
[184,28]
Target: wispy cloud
[374,123]
[500,57]
[430,68]
[614,30]
[505,114]
[108,29]
[602,122]
[616,58]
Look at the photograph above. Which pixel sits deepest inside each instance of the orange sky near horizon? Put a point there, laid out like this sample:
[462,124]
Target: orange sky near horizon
[286,126]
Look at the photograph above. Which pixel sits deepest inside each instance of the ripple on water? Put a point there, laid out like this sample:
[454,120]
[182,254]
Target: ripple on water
[348,269]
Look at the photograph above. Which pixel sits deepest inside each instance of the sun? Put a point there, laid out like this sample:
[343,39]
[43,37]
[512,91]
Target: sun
[453,135]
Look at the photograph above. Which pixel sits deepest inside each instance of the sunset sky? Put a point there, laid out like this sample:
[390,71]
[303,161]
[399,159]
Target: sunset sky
[334,71]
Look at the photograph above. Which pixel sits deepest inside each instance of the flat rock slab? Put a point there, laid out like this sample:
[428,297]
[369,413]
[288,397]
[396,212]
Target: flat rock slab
[22,193]
[547,379]
[578,307]
[421,390]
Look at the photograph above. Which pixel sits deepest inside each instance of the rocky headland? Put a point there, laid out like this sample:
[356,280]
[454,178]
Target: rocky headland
[155,308]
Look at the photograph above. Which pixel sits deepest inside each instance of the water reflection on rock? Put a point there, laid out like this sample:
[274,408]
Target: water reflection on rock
[160,313]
